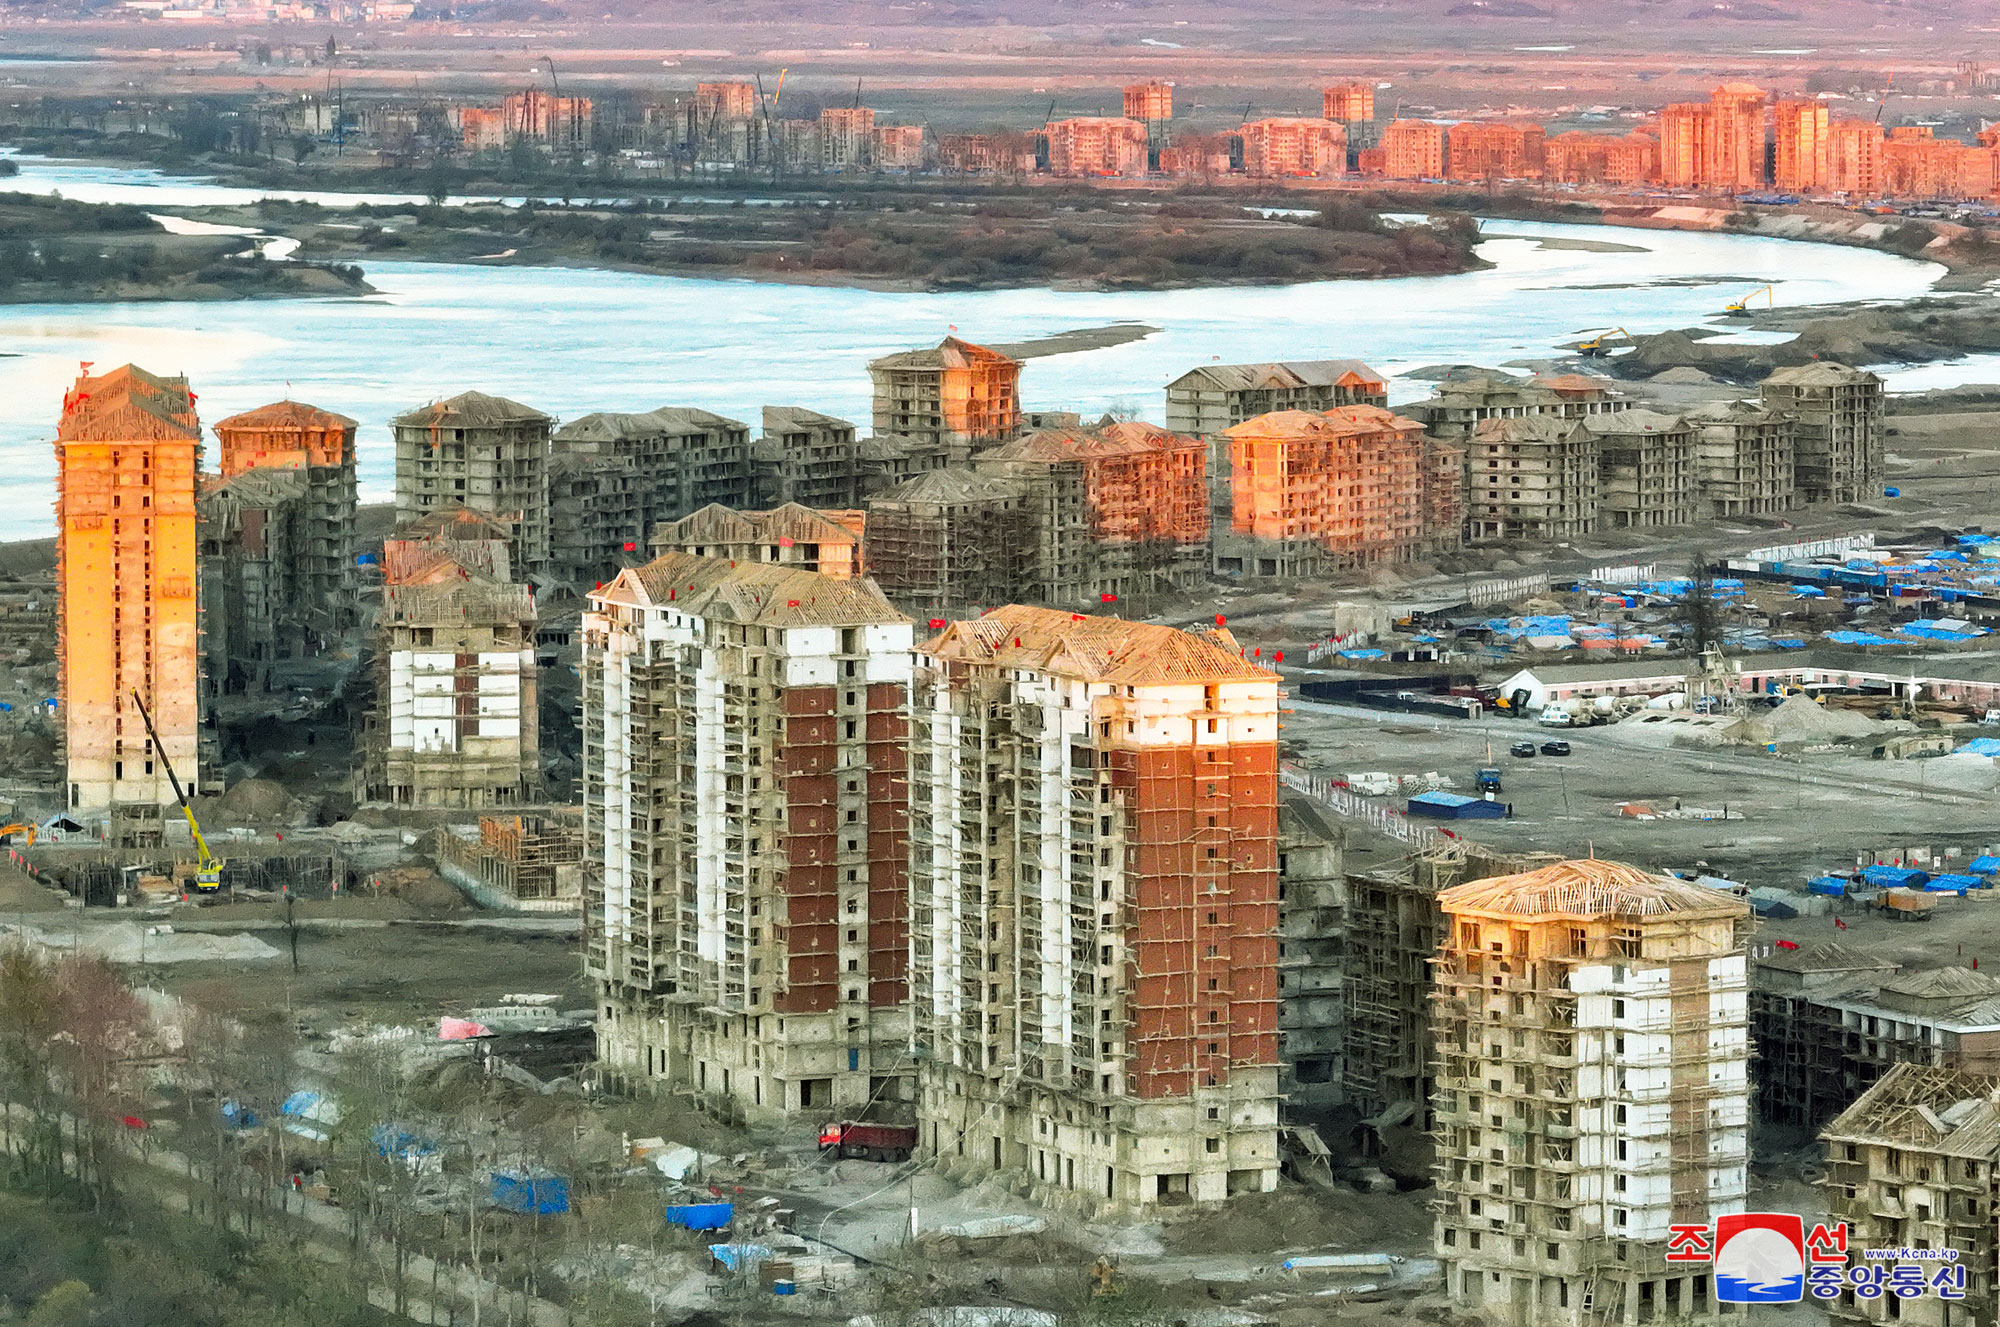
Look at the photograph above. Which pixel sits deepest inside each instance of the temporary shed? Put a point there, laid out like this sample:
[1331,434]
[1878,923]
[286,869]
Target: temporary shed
[1455,806]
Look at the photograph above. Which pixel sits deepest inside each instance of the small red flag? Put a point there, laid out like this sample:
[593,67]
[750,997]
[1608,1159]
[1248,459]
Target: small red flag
[791,603]
[1220,619]
[1259,651]
[936,623]
[1281,656]
[631,547]
[1107,598]
[784,541]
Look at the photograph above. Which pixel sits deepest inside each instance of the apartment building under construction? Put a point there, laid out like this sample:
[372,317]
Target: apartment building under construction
[1915,1165]
[1837,428]
[318,445]
[745,823]
[456,716]
[1531,477]
[1114,511]
[950,540]
[1743,456]
[684,458]
[1646,474]
[1354,486]
[1829,1020]
[1210,400]
[958,396]
[1592,1090]
[478,451]
[1093,900]
[254,611]
[127,448]
[827,542]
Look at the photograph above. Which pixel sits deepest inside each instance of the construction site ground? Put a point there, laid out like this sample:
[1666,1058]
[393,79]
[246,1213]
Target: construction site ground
[1800,816]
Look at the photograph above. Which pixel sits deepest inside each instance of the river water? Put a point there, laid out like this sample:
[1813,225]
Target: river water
[569,341]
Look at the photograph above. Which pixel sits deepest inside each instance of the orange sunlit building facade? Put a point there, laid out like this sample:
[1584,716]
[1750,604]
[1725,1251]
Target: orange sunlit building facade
[1717,144]
[1349,103]
[1352,486]
[1494,151]
[1854,157]
[1151,100]
[126,453]
[1290,147]
[1413,150]
[1096,145]
[1804,147]
[1585,158]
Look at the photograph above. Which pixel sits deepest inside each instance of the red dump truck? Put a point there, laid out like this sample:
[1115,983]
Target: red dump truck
[869,1142]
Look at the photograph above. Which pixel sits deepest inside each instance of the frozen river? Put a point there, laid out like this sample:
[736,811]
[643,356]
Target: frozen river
[570,341]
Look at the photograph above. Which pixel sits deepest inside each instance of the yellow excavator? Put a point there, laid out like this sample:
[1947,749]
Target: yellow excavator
[1741,308]
[1600,344]
[19,827]
[207,867]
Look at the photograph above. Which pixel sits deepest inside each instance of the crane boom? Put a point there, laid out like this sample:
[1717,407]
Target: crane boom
[208,871]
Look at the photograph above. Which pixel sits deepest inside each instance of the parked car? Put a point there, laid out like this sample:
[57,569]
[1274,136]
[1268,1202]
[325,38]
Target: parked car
[1555,748]
[1525,750]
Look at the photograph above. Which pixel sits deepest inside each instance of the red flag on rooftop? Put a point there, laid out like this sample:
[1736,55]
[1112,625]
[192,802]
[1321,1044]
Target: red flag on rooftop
[631,547]
[784,541]
[937,623]
[1107,598]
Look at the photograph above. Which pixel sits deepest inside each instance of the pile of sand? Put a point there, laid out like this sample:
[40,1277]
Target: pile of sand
[1803,722]
[1684,376]
[256,802]
[128,942]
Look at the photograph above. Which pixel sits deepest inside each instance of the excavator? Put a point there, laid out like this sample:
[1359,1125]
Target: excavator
[19,827]
[207,868]
[1600,344]
[1741,308]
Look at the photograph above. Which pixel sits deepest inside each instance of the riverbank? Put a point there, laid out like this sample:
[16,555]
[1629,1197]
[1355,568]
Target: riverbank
[55,251]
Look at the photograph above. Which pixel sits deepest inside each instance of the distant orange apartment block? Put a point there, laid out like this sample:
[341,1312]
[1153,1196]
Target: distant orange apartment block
[1413,150]
[1804,147]
[1350,103]
[482,128]
[1096,145]
[1917,165]
[126,454]
[899,146]
[1502,151]
[1585,158]
[1294,147]
[1715,145]
[1736,146]
[1854,157]
[725,101]
[1151,100]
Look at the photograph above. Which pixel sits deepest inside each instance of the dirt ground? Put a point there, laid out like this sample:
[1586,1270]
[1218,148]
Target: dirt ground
[386,970]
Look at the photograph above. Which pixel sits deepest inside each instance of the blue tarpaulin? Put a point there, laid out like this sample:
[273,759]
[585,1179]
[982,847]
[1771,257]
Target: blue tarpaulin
[1827,884]
[1894,877]
[1981,746]
[738,1256]
[701,1216]
[1454,806]
[1984,865]
[530,1192]
[1954,884]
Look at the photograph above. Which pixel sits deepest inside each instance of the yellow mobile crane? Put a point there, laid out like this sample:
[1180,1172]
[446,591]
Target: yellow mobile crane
[1741,308]
[207,867]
